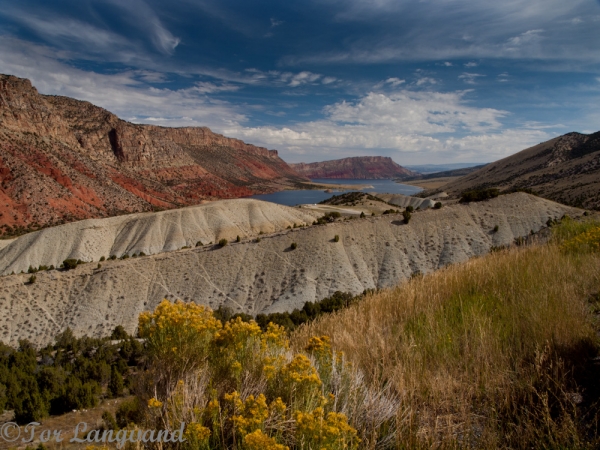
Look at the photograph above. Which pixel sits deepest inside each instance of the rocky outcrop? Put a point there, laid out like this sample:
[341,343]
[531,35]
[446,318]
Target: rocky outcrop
[565,169]
[62,159]
[358,168]
[265,276]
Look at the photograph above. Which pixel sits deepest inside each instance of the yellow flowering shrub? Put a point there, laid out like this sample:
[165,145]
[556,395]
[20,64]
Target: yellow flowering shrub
[257,440]
[217,361]
[584,242]
[177,337]
[153,403]
[249,415]
[196,435]
[315,430]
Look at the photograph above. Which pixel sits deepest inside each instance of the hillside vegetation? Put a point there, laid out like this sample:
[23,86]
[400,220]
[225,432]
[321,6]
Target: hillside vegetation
[494,353]
[497,352]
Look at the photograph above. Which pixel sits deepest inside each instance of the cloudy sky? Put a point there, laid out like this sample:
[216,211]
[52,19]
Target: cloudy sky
[422,81]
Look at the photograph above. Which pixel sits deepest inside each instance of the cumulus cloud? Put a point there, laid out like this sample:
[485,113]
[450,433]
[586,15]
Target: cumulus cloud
[469,78]
[303,78]
[405,121]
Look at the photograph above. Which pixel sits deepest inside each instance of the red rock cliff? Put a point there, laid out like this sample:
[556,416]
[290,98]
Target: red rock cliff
[63,159]
[361,167]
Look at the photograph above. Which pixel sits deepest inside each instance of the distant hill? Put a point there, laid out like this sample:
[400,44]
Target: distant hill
[63,159]
[448,173]
[358,168]
[433,168]
[565,169]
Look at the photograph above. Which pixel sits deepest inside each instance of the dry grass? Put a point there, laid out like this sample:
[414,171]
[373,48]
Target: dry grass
[493,353]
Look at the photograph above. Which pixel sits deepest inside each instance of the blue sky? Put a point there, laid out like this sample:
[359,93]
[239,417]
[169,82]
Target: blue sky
[422,81]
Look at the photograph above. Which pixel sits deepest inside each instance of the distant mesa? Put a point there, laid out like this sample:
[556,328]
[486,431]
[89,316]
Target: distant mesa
[357,168]
[63,159]
[565,169]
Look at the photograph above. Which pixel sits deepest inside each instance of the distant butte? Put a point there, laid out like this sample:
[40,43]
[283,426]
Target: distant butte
[63,159]
[358,168]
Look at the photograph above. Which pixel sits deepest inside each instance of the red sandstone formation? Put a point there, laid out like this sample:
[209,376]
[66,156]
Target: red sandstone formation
[63,159]
[361,167]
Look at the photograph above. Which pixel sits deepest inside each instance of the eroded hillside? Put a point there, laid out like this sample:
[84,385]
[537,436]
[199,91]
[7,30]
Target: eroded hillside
[149,233]
[269,275]
[565,169]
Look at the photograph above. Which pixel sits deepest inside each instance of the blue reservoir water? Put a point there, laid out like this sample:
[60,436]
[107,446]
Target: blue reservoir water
[292,198]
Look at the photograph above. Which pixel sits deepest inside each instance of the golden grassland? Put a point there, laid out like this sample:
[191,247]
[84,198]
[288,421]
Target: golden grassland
[494,353]
[498,352]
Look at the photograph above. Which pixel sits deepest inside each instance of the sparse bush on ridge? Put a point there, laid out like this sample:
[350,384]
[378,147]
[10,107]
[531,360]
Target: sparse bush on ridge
[223,242]
[437,205]
[70,263]
[478,195]
[406,215]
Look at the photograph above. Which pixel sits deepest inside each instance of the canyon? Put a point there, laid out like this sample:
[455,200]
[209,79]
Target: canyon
[63,160]
[267,274]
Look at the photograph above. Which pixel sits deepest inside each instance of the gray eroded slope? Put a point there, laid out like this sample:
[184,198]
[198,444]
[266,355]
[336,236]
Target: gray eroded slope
[266,276]
[150,233]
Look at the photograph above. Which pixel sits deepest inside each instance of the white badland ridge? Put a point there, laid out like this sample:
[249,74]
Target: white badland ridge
[266,276]
[150,233]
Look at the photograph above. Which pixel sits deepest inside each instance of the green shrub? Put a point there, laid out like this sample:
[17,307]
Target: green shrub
[199,244]
[362,215]
[496,228]
[109,421]
[407,215]
[70,263]
[478,195]
[125,256]
[102,258]
[31,279]
[223,242]
[115,385]
[328,218]
[294,246]
[130,411]
[438,205]
[409,208]
[336,238]
[238,239]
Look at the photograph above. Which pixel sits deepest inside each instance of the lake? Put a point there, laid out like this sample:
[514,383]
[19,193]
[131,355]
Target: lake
[292,198]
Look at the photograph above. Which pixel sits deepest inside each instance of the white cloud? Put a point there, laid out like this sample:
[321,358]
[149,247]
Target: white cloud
[206,87]
[303,78]
[471,64]
[395,81]
[408,122]
[275,22]
[469,78]
[448,64]
[426,80]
